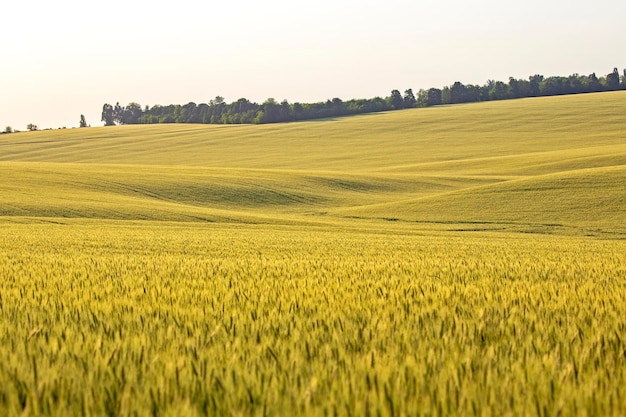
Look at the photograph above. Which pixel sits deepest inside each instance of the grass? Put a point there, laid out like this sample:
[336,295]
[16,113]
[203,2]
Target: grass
[465,260]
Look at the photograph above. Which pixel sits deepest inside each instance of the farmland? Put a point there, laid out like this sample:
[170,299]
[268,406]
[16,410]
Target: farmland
[464,260]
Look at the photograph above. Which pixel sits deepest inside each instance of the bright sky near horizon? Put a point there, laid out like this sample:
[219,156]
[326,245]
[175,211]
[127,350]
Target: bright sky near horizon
[65,58]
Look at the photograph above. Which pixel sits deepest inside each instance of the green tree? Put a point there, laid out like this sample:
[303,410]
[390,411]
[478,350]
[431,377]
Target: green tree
[612,80]
[457,93]
[270,112]
[409,99]
[499,91]
[32,127]
[217,101]
[118,113]
[83,122]
[107,115]
[216,108]
[8,129]
[433,97]
[535,84]
[130,114]
[395,100]
[286,113]
[593,84]
[191,113]
[514,87]
[298,111]
[576,84]
[552,86]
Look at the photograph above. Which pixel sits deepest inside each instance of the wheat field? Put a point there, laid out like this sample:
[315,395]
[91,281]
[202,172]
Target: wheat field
[466,260]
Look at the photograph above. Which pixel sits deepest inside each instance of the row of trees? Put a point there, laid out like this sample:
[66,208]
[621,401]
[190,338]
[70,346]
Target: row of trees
[535,86]
[217,111]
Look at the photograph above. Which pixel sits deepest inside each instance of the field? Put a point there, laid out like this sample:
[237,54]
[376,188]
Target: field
[465,260]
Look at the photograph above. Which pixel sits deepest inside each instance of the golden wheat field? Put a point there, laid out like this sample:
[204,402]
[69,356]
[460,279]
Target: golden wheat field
[466,260]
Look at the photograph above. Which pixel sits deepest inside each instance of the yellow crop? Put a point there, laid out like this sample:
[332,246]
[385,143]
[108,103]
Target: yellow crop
[462,261]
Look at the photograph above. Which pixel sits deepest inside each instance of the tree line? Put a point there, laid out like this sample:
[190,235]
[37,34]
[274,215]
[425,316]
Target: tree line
[217,111]
[243,111]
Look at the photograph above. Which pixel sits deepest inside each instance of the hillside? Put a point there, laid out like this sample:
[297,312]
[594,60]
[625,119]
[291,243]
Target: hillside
[547,165]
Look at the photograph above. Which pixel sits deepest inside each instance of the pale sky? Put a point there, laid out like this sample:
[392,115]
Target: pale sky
[60,59]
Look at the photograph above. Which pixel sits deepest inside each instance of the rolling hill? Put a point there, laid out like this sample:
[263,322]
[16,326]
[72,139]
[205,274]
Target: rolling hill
[541,165]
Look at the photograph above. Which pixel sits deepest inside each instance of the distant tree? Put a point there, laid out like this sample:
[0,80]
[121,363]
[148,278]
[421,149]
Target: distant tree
[519,88]
[217,101]
[445,95]
[298,111]
[286,113]
[514,88]
[32,127]
[593,84]
[189,113]
[551,86]
[612,80]
[409,99]
[130,114]
[118,113]
[107,115]
[8,129]
[395,100]
[83,122]
[216,108]
[535,84]
[433,97]
[457,93]
[624,80]
[576,84]
[269,113]
[499,91]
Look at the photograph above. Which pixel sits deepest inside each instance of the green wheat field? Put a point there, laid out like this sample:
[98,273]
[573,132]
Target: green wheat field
[467,260]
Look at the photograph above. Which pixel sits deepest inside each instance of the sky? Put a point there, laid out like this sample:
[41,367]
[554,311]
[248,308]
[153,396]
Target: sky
[61,59]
